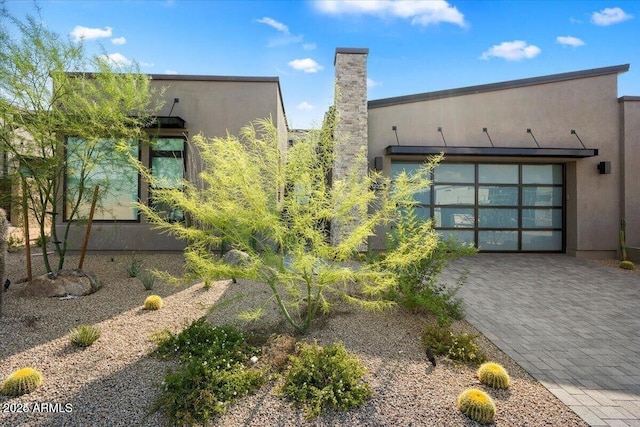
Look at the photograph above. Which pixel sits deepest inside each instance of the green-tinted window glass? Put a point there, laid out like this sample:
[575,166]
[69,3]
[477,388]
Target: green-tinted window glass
[497,174]
[455,173]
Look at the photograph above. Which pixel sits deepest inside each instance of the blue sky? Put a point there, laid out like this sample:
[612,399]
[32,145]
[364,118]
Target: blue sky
[414,46]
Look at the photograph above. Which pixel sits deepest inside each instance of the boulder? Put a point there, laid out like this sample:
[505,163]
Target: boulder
[63,283]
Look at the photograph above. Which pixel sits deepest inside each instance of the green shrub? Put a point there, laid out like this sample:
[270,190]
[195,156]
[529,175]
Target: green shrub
[13,243]
[325,377]
[40,242]
[84,336]
[459,347]
[477,405]
[153,302]
[627,265]
[200,340]
[199,390]
[21,382]
[133,269]
[148,280]
[212,372]
[494,375]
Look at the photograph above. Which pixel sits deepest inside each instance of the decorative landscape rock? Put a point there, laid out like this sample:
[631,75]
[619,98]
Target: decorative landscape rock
[65,282]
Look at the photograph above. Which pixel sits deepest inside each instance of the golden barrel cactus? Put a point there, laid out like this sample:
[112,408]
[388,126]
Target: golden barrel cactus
[153,302]
[477,405]
[494,375]
[21,382]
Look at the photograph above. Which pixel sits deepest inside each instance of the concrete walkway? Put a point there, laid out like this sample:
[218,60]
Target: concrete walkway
[573,324]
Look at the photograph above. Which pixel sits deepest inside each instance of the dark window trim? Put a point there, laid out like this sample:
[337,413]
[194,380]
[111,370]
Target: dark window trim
[423,150]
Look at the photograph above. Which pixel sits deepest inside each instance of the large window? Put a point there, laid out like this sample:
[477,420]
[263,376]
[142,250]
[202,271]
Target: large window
[91,163]
[498,207]
[167,168]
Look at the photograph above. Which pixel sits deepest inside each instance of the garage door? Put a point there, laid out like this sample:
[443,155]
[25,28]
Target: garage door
[514,207]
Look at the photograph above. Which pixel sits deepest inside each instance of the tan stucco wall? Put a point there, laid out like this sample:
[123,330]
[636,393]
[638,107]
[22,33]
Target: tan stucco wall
[211,106]
[550,110]
[630,156]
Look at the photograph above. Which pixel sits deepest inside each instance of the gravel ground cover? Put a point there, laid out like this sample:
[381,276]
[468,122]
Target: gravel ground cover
[114,382]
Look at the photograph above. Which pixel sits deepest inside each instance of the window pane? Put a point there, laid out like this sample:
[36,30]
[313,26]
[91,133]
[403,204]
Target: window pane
[462,236]
[542,174]
[423,213]
[498,174]
[541,240]
[497,196]
[498,240]
[497,218]
[168,144]
[454,217]
[542,218]
[111,170]
[167,172]
[398,167]
[454,195]
[541,196]
[455,172]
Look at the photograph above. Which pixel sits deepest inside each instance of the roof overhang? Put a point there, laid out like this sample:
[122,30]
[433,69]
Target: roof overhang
[422,150]
[166,122]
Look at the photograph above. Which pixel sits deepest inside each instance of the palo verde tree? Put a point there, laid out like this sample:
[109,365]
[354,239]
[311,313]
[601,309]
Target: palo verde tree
[274,209]
[45,97]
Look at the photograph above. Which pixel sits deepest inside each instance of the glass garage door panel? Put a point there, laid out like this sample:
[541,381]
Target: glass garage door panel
[498,240]
[542,240]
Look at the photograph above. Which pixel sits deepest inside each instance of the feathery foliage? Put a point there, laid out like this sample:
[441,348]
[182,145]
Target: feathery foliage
[46,94]
[276,208]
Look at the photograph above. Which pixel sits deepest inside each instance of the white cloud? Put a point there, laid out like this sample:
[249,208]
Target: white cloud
[309,46]
[609,15]
[569,41]
[274,24]
[118,40]
[146,64]
[420,12]
[512,51]
[116,59]
[170,72]
[305,106]
[84,33]
[307,65]
[372,83]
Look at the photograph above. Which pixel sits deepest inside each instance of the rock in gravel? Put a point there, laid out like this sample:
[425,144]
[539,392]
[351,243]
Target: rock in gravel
[63,283]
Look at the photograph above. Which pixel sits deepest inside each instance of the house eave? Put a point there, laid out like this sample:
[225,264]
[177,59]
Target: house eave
[423,150]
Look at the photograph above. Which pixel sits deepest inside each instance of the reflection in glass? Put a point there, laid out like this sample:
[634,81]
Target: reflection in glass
[497,196]
[461,236]
[498,240]
[454,217]
[497,218]
[541,240]
[498,174]
[541,196]
[455,172]
[542,218]
[542,174]
[454,195]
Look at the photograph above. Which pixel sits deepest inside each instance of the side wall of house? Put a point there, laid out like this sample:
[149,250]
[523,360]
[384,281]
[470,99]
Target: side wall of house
[588,105]
[630,155]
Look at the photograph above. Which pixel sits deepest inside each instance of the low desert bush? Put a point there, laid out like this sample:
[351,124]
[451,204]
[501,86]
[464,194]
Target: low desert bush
[212,371]
[325,377]
[458,347]
[84,336]
[133,269]
[148,279]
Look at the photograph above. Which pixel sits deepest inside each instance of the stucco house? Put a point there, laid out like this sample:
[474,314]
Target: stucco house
[543,164]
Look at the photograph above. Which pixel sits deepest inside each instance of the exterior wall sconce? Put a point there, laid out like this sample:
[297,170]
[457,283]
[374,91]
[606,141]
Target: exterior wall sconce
[377,163]
[604,168]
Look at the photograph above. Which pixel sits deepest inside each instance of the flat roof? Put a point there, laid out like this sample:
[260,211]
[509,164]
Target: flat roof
[469,90]
[207,78]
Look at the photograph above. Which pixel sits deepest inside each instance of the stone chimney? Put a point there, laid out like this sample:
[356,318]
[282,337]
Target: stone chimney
[350,103]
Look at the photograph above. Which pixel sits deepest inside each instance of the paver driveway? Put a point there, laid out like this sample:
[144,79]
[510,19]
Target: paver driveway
[572,324]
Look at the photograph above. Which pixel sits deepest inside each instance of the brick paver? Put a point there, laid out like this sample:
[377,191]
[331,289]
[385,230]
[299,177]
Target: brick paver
[574,325]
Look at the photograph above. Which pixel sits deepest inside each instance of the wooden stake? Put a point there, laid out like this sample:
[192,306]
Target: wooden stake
[88,231]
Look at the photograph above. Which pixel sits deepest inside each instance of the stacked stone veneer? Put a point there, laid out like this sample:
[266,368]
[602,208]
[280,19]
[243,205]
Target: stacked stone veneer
[350,131]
